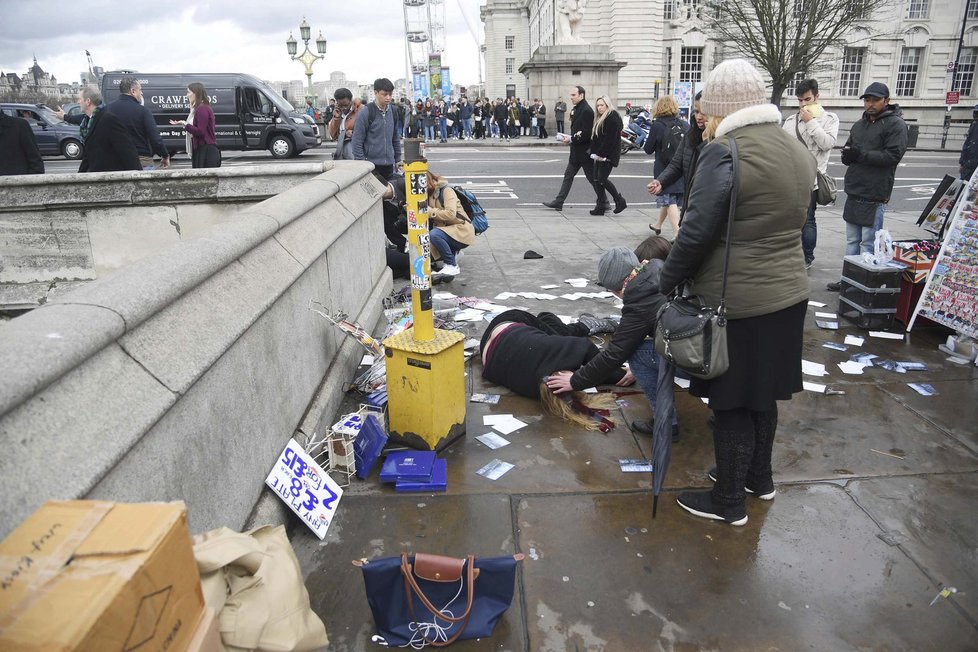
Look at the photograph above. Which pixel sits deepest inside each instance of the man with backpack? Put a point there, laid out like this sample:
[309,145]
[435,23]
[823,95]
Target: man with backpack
[817,129]
[376,134]
[664,140]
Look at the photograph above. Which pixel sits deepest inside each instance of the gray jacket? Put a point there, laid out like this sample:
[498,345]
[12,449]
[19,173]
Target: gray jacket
[377,140]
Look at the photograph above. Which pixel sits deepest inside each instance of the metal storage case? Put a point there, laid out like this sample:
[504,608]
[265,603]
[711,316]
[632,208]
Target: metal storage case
[872,276]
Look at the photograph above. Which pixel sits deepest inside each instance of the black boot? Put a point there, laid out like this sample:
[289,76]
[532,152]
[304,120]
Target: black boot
[727,501]
[597,211]
[620,204]
[759,474]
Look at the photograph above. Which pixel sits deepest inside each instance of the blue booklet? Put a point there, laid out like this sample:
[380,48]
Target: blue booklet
[407,465]
[438,482]
[368,445]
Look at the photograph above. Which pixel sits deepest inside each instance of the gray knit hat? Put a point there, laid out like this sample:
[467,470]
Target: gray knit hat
[733,85]
[615,266]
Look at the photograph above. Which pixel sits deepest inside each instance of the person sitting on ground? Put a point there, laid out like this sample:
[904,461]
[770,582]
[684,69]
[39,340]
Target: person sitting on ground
[451,229]
[637,285]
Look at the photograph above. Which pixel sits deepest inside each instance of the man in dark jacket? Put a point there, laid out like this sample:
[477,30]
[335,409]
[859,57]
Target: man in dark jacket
[969,152]
[877,143]
[637,285]
[18,149]
[500,113]
[107,144]
[140,124]
[582,123]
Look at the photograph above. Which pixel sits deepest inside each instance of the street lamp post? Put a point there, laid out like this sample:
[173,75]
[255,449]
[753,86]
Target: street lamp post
[307,58]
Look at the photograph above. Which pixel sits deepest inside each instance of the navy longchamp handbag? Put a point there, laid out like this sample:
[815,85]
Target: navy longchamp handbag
[425,599]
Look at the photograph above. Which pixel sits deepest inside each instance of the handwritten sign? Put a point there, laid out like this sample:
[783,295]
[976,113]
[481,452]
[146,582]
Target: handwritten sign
[305,488]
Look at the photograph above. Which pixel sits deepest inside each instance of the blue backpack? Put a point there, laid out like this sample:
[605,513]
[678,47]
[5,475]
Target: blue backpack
[473,209]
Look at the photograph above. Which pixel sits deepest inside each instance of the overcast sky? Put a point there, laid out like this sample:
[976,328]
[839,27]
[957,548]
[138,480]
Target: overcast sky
[366,37]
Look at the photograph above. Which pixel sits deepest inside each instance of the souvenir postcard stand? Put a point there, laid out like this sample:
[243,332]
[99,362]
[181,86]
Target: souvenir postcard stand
[337,446]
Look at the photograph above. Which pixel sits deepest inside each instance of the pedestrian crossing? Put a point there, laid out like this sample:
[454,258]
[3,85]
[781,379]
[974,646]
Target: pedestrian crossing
[490,189]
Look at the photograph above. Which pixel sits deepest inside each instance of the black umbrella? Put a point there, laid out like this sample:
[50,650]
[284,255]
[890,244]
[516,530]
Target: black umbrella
[665,402]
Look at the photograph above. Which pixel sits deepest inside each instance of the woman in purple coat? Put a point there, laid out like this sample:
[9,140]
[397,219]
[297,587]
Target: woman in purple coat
[201,139]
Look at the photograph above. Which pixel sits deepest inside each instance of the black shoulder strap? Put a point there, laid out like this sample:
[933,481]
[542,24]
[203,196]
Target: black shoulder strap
[722,310]
[798,130]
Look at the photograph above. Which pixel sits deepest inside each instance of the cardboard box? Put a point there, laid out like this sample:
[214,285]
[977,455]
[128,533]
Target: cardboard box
[207,636]
[88,575]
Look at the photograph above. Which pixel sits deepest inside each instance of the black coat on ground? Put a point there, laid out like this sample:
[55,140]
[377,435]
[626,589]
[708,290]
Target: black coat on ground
[108,147]
[642,301]
[18,149]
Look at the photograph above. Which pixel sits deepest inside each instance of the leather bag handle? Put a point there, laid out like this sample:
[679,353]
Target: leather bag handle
[411,584]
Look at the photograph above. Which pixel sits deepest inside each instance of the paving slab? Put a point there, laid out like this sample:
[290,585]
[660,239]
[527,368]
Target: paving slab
[806,571]
[922,515]
[372,527]
[953,410]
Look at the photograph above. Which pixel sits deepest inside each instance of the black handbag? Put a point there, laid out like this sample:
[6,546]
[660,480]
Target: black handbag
[689,334]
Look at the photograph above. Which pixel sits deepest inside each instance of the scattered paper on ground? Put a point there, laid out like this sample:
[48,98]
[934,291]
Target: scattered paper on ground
[549,287]
[827,315]
[491,399]
[494,469]
[828,325]
[956,360]
[635,466]
[813,368]
[367,359]
[850,367]
[469,314]
[576,282]
[591,390]
[443,295]
[923,389]
[854,340]
[504,423]
[503,296]
[835,346]
[492,440]
[814,387]
[817,304]
[886,336]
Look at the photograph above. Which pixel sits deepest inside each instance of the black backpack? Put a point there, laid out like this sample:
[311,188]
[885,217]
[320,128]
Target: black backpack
[675,133]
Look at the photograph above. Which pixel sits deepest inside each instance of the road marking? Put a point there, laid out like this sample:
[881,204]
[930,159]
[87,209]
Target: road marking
[491,190]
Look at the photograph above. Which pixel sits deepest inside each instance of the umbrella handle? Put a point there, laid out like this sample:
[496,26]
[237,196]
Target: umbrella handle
[655,505]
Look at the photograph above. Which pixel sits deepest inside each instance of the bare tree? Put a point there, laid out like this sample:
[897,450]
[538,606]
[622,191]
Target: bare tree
[786,37]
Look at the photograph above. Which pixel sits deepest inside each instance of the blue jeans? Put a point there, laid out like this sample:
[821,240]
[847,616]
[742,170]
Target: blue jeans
[860,239]
[467,127]
[809,234]
[446,245]
[443,128]
[429,132]
[644,364]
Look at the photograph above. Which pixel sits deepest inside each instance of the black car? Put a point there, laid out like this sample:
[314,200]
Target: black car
[53,135]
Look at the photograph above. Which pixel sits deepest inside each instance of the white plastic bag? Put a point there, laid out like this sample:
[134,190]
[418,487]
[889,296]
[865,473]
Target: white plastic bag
[882,249]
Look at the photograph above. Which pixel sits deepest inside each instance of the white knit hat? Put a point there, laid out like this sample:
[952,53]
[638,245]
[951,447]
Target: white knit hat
[733,85]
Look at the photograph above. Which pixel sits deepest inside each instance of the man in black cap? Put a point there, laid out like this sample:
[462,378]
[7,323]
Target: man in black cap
[877,143]
[969,153]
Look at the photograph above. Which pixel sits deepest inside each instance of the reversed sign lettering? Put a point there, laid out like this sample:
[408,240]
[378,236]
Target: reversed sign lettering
[303,485]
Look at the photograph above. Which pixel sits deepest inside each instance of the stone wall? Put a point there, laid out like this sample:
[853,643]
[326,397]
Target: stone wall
[69,228]
[183,375]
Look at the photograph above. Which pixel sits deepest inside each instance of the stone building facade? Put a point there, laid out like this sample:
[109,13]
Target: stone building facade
[908,46]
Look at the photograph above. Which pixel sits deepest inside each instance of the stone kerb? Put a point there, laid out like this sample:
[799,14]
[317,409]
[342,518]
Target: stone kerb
[184,374]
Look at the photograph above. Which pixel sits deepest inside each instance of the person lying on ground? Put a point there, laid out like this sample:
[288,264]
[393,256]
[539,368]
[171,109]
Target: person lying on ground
[637,285]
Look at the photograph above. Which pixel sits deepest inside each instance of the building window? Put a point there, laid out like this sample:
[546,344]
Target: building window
[669,9]
[972,10]
[852,72]
[691,65]
[510,65]
[906,82]
[668,70]
[965,76]
[510,90]
[918,9]
[510,42]
[799,77]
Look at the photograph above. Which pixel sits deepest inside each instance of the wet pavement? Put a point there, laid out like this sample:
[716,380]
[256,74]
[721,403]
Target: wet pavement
[875,511]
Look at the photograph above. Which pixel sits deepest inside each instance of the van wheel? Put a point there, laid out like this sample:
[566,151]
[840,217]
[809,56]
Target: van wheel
[281,146]
[71,149]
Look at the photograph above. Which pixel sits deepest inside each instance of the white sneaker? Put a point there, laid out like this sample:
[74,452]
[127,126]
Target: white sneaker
[450,270]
